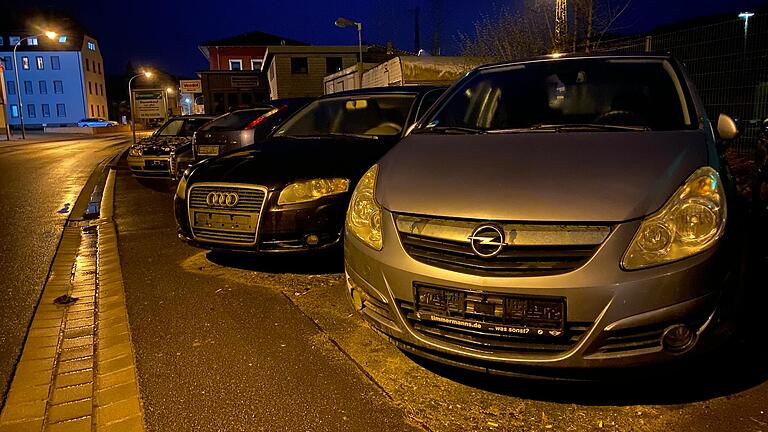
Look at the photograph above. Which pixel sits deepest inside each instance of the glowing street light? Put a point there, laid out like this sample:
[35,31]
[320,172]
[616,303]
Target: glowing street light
[343,23]
[746,16]
[148,75]
[51,35]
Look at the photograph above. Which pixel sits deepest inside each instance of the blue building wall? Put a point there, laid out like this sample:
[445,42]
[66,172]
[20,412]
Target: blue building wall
[70,73]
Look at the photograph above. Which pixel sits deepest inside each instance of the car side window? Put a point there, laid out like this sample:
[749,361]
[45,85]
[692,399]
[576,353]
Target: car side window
[427,101]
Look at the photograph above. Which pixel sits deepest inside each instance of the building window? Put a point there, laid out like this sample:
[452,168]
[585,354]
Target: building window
[91,46]
[99,65]
[255,65]
[25,63]
[90,90]
[236,65]
[10,87]
[39,63]
[61,110]
[62,39]
[58,87]
[102,89]
[333,65]
[7,63]
[28,87]
[13,40]
[92,110]
[55,63]
[31,113]
[2,41]
[32,41]
[87,65]
[299,65]
[43,87]
[15,111]
[46,109]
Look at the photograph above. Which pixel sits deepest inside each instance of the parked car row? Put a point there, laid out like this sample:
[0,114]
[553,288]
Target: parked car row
[560,213]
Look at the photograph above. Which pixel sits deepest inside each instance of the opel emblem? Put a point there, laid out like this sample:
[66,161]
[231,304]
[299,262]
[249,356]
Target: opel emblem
[487,241]
[222,199]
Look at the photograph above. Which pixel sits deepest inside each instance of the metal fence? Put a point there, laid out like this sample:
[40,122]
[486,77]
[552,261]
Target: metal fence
[727,62]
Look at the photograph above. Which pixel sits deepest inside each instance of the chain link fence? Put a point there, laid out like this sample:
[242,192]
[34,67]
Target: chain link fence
[727,61]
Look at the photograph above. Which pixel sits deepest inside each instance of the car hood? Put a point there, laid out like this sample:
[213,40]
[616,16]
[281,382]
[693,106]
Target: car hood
[278,161]
[543,177]
[164,144]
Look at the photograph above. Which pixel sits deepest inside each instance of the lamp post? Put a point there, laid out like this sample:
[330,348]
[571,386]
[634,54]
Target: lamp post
[51,35]
[168,91]
[146,74]
[746,16]
[343,23]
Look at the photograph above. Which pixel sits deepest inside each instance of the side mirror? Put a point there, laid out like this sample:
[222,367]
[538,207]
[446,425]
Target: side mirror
[727,129]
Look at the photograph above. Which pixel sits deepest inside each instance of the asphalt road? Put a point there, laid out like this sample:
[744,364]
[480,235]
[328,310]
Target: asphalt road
[40,183]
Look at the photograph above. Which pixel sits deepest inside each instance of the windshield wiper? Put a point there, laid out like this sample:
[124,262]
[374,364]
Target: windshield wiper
[588,126]
[457,130]
[353,135]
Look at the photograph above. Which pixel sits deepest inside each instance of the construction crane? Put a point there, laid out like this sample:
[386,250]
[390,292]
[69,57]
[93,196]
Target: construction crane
[561,24]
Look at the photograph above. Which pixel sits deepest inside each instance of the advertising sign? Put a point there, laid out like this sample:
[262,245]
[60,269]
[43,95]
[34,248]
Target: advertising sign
[191,86]
[149,104]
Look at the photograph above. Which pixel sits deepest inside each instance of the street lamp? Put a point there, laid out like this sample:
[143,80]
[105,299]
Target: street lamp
[343,23]
[746,16]
[148,75]
[51,35]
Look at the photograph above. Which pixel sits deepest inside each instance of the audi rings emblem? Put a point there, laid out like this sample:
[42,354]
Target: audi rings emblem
[222,199]
[487,241]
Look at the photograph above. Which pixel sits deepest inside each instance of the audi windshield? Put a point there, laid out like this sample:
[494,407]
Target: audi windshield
[586,94]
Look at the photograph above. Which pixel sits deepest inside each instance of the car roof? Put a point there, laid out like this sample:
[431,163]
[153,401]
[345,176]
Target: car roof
[572,56]
[385,90]
[194,116]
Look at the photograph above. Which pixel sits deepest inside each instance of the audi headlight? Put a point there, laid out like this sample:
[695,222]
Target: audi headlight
[691,221]
[181,189]
[135,151]
[364,215]
[310,190]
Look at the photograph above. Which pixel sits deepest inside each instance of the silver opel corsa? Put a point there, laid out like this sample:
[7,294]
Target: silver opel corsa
[548,215]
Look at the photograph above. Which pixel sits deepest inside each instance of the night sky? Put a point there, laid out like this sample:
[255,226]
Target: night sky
[166,34]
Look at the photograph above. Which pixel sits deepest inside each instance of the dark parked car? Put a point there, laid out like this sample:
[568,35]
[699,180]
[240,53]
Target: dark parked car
[290,193]
[150,157]
[548,215]
[243,127]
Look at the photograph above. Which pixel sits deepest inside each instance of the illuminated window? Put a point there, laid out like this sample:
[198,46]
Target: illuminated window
[32,41]
[25,63]
[15,111]
[61,110]
[91,46]
[46,109]
[62,39]
[55,63]
[39,63]
[58,87]
[235,65]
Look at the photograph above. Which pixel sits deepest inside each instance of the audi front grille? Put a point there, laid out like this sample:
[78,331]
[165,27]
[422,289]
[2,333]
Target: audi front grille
[527,249]
[225,213]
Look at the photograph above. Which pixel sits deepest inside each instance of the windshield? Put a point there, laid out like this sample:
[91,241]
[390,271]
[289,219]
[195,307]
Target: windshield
[383,115]
[591,94]
[237,120]
[181,127]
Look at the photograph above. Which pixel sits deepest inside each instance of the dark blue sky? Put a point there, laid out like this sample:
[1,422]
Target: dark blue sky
[166,33]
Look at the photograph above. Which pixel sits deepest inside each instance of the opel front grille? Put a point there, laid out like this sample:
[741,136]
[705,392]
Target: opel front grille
[232,222]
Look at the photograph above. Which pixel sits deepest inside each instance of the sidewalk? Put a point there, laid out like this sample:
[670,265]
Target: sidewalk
[34,137]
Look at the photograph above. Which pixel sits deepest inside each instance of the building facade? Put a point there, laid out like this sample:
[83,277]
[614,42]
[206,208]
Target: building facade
[61,80]
[298,71]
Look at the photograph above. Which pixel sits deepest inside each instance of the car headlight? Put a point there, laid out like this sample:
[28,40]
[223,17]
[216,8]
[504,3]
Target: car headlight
[364,215]
[313,189]
[181,188]
[135,151]
[691,221]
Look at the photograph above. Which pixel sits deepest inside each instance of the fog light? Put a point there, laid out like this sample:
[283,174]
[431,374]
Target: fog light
[312,240]
[678,338]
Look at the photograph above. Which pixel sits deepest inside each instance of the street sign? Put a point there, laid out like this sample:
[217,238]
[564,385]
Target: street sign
[149,104]
[191,86]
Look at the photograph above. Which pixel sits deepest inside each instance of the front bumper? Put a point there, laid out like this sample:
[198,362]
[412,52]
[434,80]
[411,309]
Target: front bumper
[614,318]
[150,166]
[303,227]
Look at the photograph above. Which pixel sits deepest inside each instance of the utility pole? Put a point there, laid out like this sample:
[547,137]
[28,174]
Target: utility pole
[416,31]
[561,24]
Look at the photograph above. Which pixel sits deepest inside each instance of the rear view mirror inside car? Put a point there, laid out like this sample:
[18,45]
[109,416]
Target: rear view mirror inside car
[356,104]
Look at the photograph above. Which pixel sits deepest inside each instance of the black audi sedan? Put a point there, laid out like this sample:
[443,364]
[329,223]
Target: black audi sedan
[151,156]
[291,192]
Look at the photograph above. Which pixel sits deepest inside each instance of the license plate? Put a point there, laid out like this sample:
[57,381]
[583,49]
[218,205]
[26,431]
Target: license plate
[156,164]
[504,314]
[223,221]
[208,150]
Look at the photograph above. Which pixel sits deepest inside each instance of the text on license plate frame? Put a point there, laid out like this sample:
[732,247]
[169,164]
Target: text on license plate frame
[208,150]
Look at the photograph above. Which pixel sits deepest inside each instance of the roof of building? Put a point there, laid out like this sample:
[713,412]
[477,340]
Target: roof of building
[254,38]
